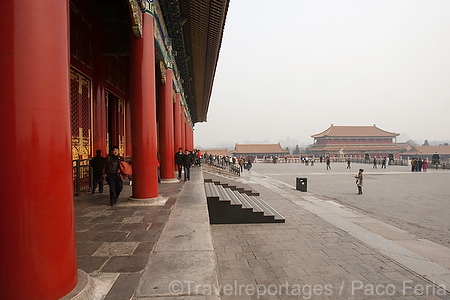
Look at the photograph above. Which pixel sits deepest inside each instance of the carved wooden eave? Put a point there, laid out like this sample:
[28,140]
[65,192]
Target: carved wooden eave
[196,31]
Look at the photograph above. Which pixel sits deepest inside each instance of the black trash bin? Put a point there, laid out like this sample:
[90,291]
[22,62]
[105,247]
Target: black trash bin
[301,184]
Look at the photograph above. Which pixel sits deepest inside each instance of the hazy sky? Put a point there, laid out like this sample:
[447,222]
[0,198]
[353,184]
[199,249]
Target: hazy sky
[291,68]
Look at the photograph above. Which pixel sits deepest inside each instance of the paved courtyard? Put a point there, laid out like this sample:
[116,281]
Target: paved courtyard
[413,201]
[335,244]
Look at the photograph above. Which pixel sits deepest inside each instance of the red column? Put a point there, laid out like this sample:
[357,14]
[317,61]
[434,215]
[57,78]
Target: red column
[99,129]
[143,112]
[183,129]
[191,138]
[127,129]
[187,131]
[37,232]
[166,135]
[113,107]
[177,123]
[190,135]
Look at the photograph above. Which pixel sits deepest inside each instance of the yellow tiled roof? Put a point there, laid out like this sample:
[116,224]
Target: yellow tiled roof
[259,148]
[355,131]
[345,148]
[217,152]
[429,150]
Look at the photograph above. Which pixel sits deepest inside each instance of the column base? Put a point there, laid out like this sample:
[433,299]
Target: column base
[85,288]
[157,201]
[171,180]
[92,286]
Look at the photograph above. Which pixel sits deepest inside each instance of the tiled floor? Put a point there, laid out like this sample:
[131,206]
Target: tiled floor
[119,239]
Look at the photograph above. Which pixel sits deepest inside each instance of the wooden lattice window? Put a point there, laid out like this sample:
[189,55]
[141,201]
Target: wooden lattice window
[74,15]
[80,99]
[80,37]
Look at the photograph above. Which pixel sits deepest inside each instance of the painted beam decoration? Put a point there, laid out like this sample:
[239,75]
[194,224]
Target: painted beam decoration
[136,18]
[146,6]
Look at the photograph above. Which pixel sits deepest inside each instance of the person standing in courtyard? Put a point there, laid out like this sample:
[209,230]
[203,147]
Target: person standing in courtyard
[97,163]
[179,161]
[374,163]
[359,181]
[188,162]
[111,171]
[348,164]
[328,163]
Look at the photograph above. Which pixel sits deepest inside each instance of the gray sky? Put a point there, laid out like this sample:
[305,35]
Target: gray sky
[291,68]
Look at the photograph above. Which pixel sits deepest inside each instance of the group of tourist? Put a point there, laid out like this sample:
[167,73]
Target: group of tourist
[108,168]
[186,160]
[417,165]
[384,162]
[225,161]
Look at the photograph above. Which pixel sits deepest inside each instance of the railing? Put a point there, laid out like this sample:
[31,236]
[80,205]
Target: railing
[396,162]
[82,175]
[224,166]
[82,178]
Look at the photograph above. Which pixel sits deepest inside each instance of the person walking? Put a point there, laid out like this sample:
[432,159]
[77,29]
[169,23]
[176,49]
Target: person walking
[159,166]
[241,163]
[374,163]
[385,162]
[111,171]
[97,163]
[188,161]
[359,181]
[328,163]
[424,165]
[348,164]
[249,164]
[179,161]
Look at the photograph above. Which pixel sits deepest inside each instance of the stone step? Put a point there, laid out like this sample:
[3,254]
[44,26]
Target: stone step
[228,206]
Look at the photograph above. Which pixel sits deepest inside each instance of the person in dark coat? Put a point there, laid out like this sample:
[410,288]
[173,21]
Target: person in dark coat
[188,161]
[179,161]
[97,163]
[111,171]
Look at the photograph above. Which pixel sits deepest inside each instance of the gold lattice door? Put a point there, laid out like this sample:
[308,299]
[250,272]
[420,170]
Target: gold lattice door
[80,97]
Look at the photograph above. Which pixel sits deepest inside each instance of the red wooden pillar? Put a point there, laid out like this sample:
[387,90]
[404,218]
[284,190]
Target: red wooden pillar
[190,135]
[113,107]
[37,231]
[183,129]
[143,112]
[177,124]
[100,129]
[166,135]
[127,129]
[187,130]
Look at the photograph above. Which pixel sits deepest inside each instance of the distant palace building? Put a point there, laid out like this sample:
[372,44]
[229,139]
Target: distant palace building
[259,150]
[216,152]
[426,152]
[355,141]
